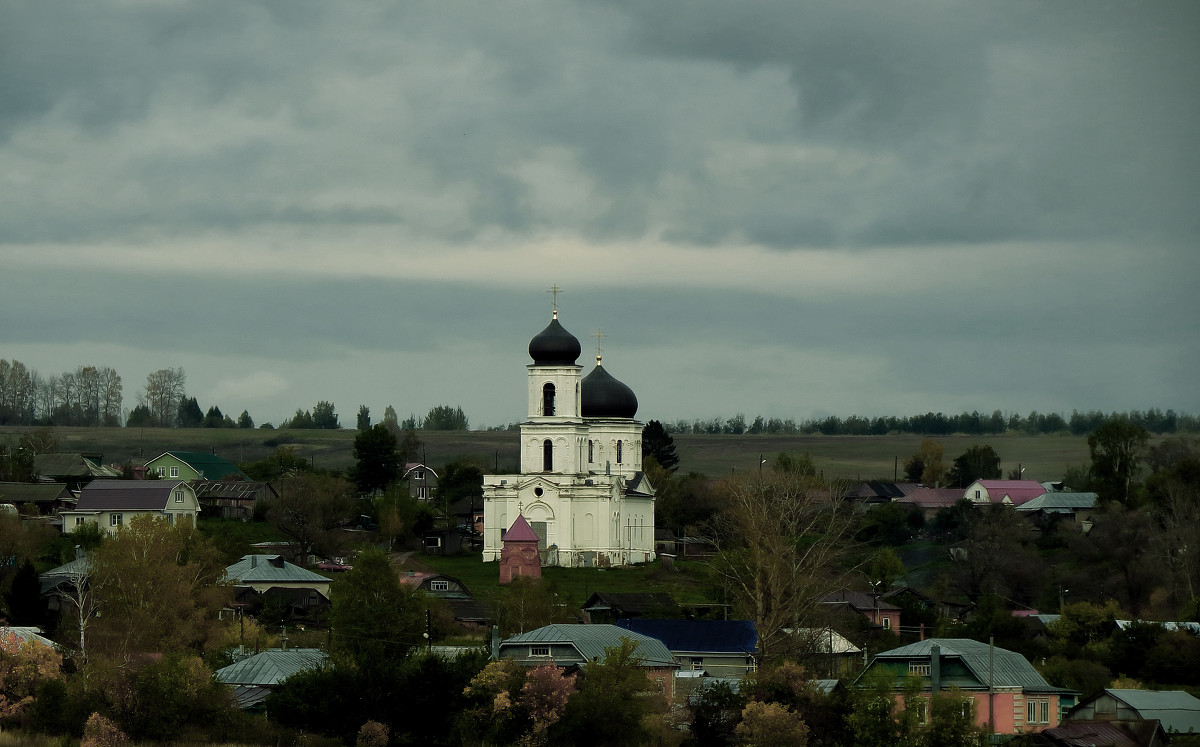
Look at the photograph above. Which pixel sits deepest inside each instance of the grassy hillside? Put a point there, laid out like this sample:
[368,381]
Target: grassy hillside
[1044,457]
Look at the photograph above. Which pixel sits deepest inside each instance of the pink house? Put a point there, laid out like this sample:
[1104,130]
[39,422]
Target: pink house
[880,612]
[1009,695]
[1008,492]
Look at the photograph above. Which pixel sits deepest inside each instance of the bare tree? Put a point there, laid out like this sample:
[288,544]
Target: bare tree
[779,538]
[163,393]
[110,397]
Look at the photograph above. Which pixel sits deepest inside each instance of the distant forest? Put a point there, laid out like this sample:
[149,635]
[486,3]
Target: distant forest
[939,424]
[94,396]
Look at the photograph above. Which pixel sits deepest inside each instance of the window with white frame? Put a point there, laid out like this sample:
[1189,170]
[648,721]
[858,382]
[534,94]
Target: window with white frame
[174,472]
[539,651]
[170,518]
[920,707]
[179,496]
[115,520]
[439,586]
[887,623]
[162,471]
[78,520]
[920,668]
[1037,711]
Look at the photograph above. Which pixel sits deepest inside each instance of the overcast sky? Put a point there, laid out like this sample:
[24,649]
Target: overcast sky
[787,208]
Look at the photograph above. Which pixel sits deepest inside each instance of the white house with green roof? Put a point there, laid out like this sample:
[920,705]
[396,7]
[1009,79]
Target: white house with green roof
[193,465]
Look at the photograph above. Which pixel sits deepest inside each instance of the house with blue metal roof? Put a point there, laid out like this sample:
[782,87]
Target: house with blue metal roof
[722,648]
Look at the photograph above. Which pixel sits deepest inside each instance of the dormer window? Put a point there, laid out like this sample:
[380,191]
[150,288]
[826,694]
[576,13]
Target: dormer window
[548,399]
[539,651]
[179,496]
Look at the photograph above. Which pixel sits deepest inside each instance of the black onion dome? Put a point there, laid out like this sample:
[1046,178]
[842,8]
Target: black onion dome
[554,346]
[605,397]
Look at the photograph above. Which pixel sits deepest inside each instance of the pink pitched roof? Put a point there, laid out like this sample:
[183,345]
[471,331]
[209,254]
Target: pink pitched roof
[1018,491]
[520,532]
[930,497]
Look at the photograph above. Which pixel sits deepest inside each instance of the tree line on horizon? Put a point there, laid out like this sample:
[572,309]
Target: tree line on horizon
[93,396]
[971,423]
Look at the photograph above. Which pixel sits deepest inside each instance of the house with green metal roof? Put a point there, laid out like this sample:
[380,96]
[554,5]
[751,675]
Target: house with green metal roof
[1009,695]
[253,678]
[569,646]
[193,465]
[263,572]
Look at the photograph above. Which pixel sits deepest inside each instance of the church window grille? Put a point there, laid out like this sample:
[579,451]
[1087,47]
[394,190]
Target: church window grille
[548,399]
[547,455]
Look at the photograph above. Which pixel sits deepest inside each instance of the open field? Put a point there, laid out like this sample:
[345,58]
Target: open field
[1043,457]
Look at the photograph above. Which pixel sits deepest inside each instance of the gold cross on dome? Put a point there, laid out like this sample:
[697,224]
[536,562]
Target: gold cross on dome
[599,336]
[554,291]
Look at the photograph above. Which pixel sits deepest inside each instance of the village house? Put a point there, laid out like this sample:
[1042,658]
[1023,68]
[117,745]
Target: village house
[111,504]
[570,646]
[718,648]
[1009,695]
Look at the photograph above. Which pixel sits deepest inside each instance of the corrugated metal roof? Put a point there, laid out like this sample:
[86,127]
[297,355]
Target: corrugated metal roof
[1008,668]
[713,636]
[1060,502]
[271,667]
[1175,709]
[32,492]
[103,495]
[71,465]
[255,569]
[26,633]
[228,489]
[591,641]
[1090,734]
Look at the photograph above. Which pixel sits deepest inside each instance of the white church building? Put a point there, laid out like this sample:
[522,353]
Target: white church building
[581,486]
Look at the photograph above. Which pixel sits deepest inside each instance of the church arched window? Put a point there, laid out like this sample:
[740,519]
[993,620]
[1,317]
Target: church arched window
[547,455]
[618,452]
[548,399]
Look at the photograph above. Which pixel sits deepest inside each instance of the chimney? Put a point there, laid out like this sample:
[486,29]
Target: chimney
[253,561]
[935,667]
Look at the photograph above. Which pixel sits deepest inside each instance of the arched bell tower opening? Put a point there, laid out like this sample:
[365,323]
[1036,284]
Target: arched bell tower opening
[548,399]
[547,455]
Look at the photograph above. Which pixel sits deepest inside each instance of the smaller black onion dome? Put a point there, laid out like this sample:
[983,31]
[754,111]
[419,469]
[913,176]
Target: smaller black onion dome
[605,397]
[554,346]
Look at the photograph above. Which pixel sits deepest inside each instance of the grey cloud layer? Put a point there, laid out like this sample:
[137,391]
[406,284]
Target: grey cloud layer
[814,129]
[789,125]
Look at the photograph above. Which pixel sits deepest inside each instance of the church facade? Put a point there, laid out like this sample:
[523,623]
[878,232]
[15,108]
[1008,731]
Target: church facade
[581,487]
